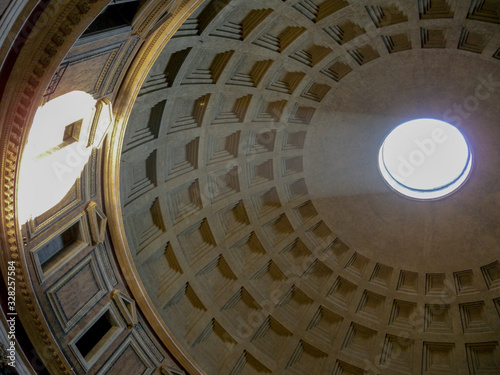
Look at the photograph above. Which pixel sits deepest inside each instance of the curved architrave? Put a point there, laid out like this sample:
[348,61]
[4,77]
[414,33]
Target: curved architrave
[125,100]
[12,20]
[43,50]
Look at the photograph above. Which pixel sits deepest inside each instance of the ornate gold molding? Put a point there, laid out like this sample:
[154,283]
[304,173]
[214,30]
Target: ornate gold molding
[43,51]
[131,84]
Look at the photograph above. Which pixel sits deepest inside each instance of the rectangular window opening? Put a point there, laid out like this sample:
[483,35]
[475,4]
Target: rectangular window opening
[59,247]
[114,16]
[96,336]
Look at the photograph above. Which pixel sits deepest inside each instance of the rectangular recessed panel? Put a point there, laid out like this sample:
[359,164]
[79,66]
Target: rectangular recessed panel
[129,362]
[70,306]
[134,356]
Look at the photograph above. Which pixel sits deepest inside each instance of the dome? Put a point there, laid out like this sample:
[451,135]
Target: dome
[249,226]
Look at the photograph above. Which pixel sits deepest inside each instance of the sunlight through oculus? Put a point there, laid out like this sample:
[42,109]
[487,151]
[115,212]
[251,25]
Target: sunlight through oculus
[425,159]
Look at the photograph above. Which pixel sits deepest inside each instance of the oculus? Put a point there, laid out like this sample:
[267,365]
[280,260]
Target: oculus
[425,159]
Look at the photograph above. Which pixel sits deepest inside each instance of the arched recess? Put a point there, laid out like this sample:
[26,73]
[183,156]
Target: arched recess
[42,33]
[144,61]
[32,60]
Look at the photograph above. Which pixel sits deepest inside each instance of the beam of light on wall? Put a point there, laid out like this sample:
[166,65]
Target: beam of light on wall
[58,149]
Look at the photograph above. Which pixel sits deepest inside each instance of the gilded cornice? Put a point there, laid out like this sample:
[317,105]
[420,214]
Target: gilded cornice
[36,62]
[129,90]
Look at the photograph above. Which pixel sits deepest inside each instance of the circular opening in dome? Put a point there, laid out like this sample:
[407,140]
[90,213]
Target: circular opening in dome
[425,159]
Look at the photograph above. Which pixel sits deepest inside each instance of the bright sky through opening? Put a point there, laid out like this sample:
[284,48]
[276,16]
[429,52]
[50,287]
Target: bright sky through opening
[425,159]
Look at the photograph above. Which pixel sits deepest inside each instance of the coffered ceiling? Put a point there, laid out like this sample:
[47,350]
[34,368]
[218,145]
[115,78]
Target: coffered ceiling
[252,204]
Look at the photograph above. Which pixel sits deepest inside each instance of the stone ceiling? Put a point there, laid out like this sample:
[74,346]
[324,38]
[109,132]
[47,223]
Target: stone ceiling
[252,203]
